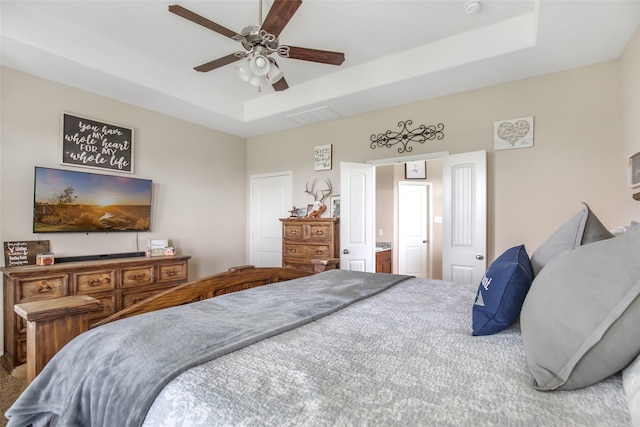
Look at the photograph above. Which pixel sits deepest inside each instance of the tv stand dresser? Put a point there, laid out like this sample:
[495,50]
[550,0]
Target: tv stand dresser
[116,283]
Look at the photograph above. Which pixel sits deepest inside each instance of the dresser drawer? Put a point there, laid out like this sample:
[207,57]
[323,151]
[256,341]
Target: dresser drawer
[138,276]
[307,251]
[320,233]
[302,265]
[133,298]
[94,281]
[293,232]
[107,308]
[172,272]
[42,288]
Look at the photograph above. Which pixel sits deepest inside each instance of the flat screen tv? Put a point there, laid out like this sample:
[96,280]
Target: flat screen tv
[70,201]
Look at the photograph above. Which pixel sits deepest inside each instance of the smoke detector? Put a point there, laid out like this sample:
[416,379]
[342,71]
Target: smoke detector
[472,7]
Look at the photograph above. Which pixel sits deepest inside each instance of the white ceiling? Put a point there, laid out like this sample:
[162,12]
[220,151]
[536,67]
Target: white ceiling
[396,52]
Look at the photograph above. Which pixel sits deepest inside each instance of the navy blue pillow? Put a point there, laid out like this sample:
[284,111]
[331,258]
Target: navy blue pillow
[502,291]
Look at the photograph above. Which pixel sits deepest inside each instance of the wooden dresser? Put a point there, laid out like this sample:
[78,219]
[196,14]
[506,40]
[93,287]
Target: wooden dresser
[116,283]
[304,239]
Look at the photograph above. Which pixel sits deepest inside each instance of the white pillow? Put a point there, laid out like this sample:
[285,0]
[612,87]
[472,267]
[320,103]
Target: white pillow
[631,382]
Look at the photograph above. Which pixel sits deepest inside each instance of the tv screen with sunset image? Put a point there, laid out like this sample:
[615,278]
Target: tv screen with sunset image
[70,201]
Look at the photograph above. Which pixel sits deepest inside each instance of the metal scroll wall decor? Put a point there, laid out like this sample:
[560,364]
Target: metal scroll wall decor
[405,136]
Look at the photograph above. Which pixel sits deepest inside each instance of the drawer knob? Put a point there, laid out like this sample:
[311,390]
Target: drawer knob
[44,288]
[293,251]
[293,232]
[95,282]
[319,252]
[172,272]
[319,233]
[138,276]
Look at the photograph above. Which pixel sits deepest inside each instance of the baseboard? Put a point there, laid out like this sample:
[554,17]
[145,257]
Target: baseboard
[98,257]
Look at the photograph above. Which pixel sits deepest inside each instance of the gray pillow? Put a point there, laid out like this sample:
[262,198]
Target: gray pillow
[580,319]
[583,228]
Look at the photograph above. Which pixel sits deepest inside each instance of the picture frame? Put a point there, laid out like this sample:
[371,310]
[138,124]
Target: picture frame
[322,157]
[334,206]
[415,170]
[633,170]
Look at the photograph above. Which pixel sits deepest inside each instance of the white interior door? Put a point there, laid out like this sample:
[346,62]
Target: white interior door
[357,241]
[270,199]
[413,228]
[464,179]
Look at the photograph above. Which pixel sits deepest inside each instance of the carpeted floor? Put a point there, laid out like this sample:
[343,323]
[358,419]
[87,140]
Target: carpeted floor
[10,388]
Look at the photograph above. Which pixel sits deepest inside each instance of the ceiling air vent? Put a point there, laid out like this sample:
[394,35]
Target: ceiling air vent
[313,116]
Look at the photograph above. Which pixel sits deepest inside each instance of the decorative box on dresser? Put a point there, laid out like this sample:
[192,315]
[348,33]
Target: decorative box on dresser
[116,283]
[305,239]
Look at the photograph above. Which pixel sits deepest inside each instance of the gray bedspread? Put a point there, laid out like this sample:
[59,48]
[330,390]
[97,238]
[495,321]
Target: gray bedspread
[110,375]
[404,357]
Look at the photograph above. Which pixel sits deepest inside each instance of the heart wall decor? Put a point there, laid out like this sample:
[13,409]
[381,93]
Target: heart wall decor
[513,133]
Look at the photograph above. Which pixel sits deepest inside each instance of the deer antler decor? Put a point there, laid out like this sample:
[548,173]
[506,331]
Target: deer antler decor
[318,198]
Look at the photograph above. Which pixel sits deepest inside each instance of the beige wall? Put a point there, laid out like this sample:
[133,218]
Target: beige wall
[578,153]
[631,110]
[198,173]
[387,178]
[385,202]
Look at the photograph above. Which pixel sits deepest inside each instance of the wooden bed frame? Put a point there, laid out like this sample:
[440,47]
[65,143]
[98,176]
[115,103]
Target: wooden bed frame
[53,323]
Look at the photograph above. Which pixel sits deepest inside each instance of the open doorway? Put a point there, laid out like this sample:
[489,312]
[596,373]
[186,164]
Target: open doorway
[391,223]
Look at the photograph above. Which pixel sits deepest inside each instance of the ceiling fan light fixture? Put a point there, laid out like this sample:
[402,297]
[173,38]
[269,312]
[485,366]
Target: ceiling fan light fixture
[259,64]
[274,74]
[258,81]
[243,70]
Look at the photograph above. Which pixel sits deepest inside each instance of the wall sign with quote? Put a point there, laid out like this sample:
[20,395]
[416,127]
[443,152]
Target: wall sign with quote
[23,252]
[96,144]
[322,157]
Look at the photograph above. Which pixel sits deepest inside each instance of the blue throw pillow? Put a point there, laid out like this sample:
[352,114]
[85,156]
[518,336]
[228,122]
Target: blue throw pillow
[502,291]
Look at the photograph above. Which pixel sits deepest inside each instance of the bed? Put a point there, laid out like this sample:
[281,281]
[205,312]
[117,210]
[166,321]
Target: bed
[352,348]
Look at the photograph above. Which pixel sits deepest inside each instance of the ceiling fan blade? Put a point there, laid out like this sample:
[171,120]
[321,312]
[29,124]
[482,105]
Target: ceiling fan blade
[200,20]
[217,63]
[280,85]
[316,55]
[279,15]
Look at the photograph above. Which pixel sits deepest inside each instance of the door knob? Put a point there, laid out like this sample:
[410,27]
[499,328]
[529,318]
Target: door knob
[479,256]
[346,251]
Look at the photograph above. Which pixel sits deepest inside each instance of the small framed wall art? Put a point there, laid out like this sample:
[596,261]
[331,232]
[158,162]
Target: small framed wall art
[513,133]
[334,206]
[415,170]
[322,157]
[634,170]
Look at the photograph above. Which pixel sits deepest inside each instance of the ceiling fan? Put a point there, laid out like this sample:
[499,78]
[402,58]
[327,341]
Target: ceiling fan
[259,42]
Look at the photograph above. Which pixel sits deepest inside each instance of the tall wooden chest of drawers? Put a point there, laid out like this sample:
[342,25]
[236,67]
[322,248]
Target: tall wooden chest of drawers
[304,239]
[116,283]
